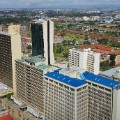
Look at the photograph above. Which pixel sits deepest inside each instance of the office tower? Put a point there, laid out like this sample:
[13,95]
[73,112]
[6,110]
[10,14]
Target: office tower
[42,39]
[104,97]
[66,98]
[85,59]
[29,81]
[10,50]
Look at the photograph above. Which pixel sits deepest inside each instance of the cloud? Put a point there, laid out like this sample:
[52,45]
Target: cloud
[44,3]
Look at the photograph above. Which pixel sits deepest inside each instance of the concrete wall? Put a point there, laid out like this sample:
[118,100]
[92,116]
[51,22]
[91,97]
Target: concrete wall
[14,29]
[116,105]
[97,63]
[16,54]
[51,42]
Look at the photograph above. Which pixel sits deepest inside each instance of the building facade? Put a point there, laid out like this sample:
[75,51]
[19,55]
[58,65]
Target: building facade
[65,98]
[29,81]
[103,97]
[59,96]
[42,39]
[85,59]
[10,50]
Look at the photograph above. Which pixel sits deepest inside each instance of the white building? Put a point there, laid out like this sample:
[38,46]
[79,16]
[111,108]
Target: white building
[85,59]
[89,97]
[65,98]
[104,97]
[63,94]
[42,39]
[85,18]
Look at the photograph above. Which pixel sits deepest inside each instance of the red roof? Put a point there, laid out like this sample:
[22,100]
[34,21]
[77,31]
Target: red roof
[116,52]
[99,51]
[97,47]
[25,38]
[6,117]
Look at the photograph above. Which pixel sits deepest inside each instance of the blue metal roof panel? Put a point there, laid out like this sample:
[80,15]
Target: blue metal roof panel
[74,82]
[100,80]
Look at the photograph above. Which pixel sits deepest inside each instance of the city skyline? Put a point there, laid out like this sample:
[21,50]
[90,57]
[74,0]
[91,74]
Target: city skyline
[59,4]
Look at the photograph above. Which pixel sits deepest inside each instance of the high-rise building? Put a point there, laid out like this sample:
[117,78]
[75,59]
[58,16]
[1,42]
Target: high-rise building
[66,98]
[85,59]
[29,81]
[10,50]
[103,97]
[91,97]
[57,95]
[42,39]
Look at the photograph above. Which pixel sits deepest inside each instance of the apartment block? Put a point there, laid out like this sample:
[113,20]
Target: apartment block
[85,59]
[29,81]
[65,98]
[63,94]
[10,50]
[103,97]
[88,97]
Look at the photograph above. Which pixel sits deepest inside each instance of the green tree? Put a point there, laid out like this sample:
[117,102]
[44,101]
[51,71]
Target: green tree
[104,65]
[73,42]
[64,42]
[112,57]
[29,47]
[103,41]
[87,43]
[66,52]
[112,63]
[58,48]
[8,96]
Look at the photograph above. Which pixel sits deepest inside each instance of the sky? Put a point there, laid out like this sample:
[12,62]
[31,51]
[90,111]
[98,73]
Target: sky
[56,3]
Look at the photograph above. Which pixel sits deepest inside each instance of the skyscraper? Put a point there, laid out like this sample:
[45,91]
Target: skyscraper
[10,50]
[42,39]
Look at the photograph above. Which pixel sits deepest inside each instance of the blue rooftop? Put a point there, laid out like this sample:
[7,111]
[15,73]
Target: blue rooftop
[74,82]
[100,80]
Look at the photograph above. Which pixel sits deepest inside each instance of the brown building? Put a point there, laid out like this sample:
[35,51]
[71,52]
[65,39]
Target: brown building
[29,81]
[10,50]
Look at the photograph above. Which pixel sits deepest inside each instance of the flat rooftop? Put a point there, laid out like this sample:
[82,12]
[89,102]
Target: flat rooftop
[35,59]
[74,82]
[100,80]
[109,73]
[72,71]
[38,21]
[43,66]
[4,33]
[3,87]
